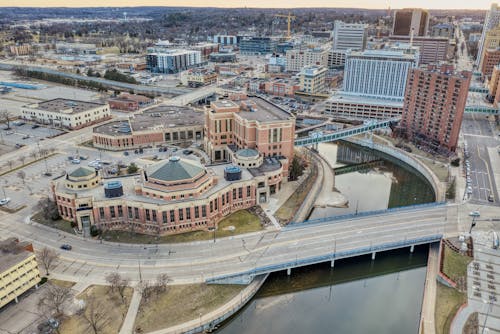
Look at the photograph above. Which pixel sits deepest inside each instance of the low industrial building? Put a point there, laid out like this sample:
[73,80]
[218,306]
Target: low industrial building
[156,126]
[65,113]
[18,270]
[129,102]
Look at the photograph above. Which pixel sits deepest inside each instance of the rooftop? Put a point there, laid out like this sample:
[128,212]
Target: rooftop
[259,109]
[345,98]
[82,171]
[66,106]
[161,116]
[175,169]
[11,253]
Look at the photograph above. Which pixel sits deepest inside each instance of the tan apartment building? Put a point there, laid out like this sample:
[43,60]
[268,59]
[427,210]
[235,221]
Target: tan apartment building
[18,270]
[296,59]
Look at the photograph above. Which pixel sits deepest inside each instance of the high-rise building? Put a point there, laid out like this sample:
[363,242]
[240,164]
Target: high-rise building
[258,45]
[296,59]
[443,30]
[491,21]
[379,73]
[349,36]
[433,107]
[313,79]
[408,19]
[172,60]
[490,42]
[432,50]
[494,86]
[491,58]
[225,40]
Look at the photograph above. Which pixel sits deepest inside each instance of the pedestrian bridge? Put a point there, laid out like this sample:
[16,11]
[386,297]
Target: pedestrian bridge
[333,238]
[481,109]
[319,137]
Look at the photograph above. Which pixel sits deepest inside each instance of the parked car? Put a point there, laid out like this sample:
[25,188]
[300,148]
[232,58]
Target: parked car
[4,201]
[125,153]
[187,152]
[490,198]
[75,161]
[34,126]
[474,214]
[66,247]
[26,137]
[84,157]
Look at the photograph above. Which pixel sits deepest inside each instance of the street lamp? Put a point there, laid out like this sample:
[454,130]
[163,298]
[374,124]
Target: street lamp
[490,306]
[473,224]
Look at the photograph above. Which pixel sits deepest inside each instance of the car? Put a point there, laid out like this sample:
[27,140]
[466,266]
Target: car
[490,198]
[474,214]
[9,132]
[4,201]
[187,152]
[125,153]
[136,151]
[26,137]
[34,126]
[66,247]
[19,145]
[75,161]
[71,157]
[84,157]
[141,151]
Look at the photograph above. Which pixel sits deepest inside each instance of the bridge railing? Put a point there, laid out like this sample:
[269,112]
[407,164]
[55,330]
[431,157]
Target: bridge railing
[327,257]
[294,225]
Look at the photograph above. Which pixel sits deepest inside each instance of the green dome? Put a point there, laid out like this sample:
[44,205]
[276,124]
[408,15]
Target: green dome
[176,169]
[247,153]
[82,172]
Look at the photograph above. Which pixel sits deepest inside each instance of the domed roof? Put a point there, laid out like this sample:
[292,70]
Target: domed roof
[247,153]
[175,169]
[82,172]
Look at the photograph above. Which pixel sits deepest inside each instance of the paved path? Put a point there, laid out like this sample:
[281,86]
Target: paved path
[133,308]
[328,197]
[427,320]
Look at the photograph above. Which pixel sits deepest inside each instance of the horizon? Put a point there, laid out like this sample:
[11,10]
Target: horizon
[258,4]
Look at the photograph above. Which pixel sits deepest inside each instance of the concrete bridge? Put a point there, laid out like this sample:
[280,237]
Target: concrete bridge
[332,238]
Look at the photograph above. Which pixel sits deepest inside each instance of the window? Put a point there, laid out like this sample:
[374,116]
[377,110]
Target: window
[248,191]
[129,209]
[196,212]
[240,192]
[181,214]
[234,193]
[188,213]
[112,211]
[164,217]
[101,213]
[154,215]
[136,213]
[211,206]
[148,215]
[120,211]
[172,216]
[204,211]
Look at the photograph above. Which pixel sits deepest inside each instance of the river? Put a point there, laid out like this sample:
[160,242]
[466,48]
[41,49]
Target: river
[358,295]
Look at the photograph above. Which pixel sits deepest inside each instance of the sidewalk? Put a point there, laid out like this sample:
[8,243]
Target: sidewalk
[427,319]
[133,308]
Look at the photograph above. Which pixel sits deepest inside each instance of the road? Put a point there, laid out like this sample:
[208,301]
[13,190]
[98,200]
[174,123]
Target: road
[193,262]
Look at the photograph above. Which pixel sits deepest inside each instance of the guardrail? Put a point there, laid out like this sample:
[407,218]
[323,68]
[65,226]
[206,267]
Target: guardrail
[324,258]
[295,225]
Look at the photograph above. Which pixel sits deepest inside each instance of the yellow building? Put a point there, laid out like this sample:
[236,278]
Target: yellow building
[18,270]
[491,42]
[313,79]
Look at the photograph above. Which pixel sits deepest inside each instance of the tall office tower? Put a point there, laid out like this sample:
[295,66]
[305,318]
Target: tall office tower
[379,73]
[433,107]
[490,43]
[349,36]
[410,18]
[491,21]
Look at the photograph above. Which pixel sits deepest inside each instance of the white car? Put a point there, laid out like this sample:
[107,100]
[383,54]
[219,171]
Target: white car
[4,201]
[474,214]
[75,161]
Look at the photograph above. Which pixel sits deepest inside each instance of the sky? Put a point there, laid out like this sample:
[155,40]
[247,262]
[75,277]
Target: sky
[431,4]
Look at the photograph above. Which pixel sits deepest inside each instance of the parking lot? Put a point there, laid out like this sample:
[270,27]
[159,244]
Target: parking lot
[23,133]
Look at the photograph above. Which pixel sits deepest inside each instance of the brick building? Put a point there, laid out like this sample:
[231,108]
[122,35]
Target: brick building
[433,107]
[491,58]
[129,102]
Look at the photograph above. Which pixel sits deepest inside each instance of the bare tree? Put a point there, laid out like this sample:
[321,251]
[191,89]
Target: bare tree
[33,155]
[6,116]
[22,175]
[22,159]
[146,290]
[53,299]
[118,283]
[51,149]
[95,315]
[44,152]
[48,257]
[10,163]
[48,208]
[161,283]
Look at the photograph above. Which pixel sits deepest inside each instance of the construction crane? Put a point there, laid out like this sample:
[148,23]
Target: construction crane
[289,17]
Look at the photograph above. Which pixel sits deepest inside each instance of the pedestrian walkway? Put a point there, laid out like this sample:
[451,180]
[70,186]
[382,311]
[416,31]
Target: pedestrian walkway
[133,308]
[427,320]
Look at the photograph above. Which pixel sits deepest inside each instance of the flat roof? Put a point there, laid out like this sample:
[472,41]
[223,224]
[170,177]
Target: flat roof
[11,253]
[265,111]
[66,106]
[159,117]
[129,183]
[356,99]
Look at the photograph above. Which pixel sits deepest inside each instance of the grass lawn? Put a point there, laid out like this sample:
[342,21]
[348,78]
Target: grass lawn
[243,221]
[59,224]
[181,303]
[287,211]
[61,283]
[109,303]
[448,301]
[455,264]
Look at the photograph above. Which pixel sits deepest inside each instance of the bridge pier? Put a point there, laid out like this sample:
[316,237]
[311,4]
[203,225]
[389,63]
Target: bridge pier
[332,263]
[412,248]
[373,255]
[289,271]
